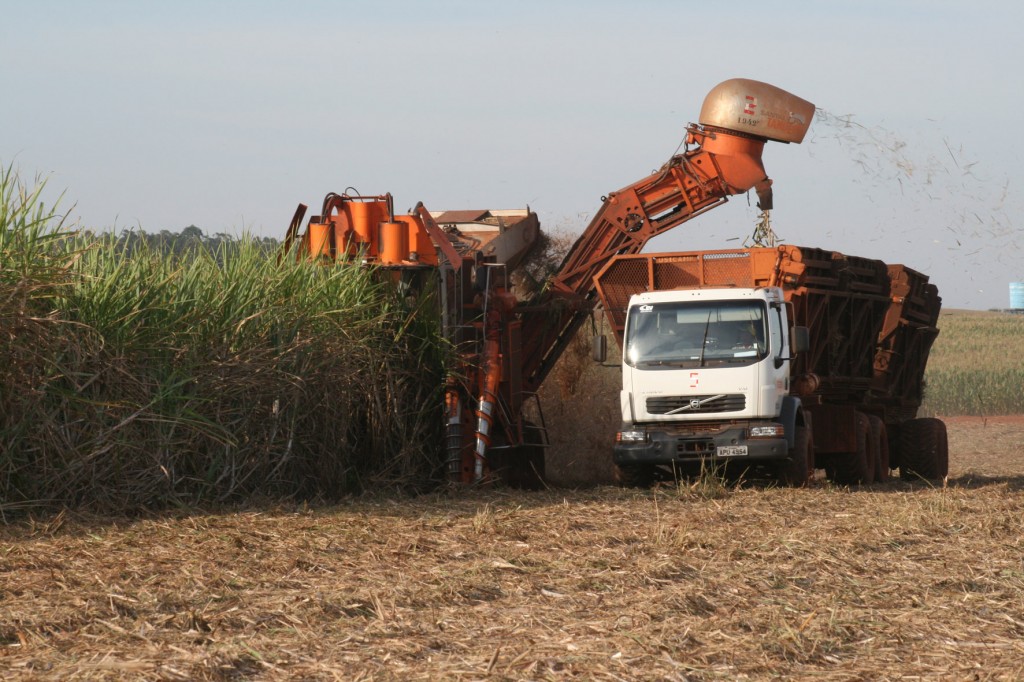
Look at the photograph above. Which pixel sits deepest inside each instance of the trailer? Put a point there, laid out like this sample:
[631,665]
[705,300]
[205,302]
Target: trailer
[785,358]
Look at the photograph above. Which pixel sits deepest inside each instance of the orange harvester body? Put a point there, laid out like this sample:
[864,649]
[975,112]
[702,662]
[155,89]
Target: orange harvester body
[508,346]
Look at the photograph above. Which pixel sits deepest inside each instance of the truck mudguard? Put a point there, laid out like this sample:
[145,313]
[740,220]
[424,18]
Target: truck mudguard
[788,417]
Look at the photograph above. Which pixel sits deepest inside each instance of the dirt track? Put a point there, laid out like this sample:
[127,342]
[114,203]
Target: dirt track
[990,446]
[694,583]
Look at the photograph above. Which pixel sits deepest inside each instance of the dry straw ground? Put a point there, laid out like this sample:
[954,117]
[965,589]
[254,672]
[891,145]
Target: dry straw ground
[694,583]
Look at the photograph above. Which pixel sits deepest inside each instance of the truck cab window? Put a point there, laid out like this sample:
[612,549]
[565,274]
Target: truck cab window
[694,334]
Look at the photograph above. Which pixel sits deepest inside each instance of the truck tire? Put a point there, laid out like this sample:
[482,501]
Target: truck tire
[858,467]
[798,470]
[635,475]
[880,439]
[924,445]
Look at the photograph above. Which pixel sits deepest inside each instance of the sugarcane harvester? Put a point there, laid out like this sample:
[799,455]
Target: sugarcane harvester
[507,346]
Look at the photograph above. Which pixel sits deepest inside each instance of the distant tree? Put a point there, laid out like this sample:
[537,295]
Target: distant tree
[192,233]
[188,241]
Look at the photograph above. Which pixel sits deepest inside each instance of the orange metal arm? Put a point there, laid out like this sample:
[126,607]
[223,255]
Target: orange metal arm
[688,185]
[725,163]
[292,232]
[439,237]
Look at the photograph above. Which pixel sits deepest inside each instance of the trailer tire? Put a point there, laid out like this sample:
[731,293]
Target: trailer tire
[892,432]
[798,470]
[857,467]
[635,475]
[924,445]
[880,439]
[943,468]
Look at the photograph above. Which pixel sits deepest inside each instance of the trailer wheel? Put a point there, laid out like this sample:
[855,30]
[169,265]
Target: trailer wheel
[943,468]
[880,439]
[892,432]
[635,475]
[856,467]
[798,470]
[925,449]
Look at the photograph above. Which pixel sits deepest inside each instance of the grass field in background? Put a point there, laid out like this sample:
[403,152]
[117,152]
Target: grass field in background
[977,364]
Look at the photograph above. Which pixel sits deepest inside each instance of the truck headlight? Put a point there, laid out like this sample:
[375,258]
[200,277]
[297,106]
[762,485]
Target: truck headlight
[768,431]
[634,436]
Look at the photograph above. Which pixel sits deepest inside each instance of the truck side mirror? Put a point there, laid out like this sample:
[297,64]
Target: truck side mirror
[801,341]
[599,348]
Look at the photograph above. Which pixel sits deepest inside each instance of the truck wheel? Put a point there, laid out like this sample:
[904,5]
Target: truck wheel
[880,439]
[798,470]
[857,467]
[635,475]
[925,449]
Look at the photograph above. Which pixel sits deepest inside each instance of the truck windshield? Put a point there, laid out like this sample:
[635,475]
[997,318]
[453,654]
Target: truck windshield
[695,334]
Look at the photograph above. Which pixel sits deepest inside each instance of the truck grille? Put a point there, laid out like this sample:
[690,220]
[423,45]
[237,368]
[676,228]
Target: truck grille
[690,404]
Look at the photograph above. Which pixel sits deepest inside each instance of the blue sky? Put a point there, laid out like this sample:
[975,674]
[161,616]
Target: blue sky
[227,114]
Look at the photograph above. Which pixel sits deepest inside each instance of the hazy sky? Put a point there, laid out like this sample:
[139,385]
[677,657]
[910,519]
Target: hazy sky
[227,114]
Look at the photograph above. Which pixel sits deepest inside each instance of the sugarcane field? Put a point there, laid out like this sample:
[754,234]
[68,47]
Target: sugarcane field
[417,394]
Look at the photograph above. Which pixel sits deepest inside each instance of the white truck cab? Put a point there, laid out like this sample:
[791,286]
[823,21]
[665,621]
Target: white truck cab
[706,375]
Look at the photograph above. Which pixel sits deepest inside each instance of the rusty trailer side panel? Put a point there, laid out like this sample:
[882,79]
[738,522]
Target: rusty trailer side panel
[910,328]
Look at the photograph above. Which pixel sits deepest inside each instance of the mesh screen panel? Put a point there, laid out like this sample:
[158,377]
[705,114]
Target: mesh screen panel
[728,269]
[623,278]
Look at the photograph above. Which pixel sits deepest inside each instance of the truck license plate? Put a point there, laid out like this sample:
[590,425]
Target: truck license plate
[731,451]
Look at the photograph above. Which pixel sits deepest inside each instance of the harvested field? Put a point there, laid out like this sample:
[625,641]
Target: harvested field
[698,583]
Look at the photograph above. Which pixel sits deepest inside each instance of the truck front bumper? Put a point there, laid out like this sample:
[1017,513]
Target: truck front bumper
[730,443]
